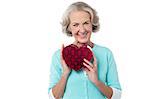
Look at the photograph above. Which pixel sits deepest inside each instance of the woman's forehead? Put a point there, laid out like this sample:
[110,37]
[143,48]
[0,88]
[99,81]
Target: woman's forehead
[79,16]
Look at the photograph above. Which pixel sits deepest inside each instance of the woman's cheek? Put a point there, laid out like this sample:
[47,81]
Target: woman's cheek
[75,32]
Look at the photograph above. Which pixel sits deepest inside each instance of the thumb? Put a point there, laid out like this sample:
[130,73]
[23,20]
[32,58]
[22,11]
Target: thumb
[95,60]
[62,47]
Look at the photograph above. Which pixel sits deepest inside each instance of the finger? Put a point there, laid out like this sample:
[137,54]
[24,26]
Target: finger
[95,60]
[86,70]
[89,63]
[87,66]
[61,50]
[62,47]
[61,56]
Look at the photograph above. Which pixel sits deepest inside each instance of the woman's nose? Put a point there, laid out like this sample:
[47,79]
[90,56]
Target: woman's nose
[82,29]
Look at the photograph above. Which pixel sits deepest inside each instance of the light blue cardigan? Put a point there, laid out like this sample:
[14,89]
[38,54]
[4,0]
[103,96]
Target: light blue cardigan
[78,85]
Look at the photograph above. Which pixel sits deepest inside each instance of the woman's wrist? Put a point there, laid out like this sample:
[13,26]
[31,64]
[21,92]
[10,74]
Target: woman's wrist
[96,82]
[65,74]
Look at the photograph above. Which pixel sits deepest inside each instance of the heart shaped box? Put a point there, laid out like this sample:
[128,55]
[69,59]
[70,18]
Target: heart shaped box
[74,56]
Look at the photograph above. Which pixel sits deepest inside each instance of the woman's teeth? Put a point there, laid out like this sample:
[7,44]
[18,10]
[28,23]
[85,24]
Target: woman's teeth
[84,33]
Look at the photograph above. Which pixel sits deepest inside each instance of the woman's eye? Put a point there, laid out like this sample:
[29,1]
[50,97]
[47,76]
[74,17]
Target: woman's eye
[75,25]
[86,23]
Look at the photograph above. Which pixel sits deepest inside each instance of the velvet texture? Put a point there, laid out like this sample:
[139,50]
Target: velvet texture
[74,56]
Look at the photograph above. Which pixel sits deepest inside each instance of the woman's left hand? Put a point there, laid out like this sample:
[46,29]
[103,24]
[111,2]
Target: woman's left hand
[91,69]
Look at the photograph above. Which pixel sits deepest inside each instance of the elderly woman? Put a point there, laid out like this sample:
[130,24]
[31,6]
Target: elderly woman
[99,80]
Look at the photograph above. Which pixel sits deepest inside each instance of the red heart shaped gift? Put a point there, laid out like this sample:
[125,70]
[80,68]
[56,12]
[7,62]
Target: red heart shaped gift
[74,56]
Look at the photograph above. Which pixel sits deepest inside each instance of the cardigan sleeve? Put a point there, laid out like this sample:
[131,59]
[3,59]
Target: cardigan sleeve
[112,76]
[55,70]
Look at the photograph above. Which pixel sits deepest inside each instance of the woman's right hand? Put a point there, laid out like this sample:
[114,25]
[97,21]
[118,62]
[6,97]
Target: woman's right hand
[66,69]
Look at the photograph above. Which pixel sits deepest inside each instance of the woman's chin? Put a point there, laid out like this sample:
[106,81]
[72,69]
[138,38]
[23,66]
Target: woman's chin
[83,42]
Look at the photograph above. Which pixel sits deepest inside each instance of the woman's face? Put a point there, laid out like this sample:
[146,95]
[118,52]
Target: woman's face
[80,26]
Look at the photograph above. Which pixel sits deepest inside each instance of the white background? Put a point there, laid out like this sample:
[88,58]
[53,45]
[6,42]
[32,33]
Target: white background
[30,32]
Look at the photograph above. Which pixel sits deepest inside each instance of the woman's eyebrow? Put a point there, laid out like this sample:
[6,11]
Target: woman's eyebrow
[78,22]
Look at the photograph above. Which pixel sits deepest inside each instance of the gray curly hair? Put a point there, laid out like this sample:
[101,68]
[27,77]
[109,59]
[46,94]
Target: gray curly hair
[80,6]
